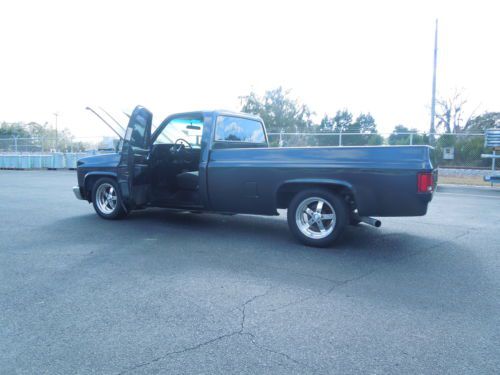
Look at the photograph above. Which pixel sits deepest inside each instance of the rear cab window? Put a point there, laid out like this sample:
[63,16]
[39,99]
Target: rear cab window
[240,132]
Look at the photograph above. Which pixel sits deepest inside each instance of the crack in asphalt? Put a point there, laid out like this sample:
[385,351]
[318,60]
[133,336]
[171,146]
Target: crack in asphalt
[240,331]
[338,284]
[253,336]
[242,309]
[287,356]
[244,306]
[293,272]
[189,348]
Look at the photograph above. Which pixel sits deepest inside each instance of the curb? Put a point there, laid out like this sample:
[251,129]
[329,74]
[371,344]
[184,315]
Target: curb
[480,187]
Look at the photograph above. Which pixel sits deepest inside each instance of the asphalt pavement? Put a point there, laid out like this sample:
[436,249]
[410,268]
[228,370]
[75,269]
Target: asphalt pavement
[176,293]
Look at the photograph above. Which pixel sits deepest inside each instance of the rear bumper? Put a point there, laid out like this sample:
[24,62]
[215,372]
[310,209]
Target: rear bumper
[77,192]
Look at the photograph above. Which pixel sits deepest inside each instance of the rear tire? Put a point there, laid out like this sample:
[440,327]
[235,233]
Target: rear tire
[106,199]
[317,217]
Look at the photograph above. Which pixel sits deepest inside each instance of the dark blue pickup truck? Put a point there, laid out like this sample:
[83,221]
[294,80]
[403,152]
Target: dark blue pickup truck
[220,161]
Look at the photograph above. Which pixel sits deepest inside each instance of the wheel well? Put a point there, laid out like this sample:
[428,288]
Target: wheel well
[90,181]
[286,192]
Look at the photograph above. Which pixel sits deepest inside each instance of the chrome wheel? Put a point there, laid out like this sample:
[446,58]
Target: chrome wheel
[315,217]
[106,198]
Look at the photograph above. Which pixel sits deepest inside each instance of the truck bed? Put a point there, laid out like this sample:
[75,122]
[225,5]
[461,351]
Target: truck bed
[382,179]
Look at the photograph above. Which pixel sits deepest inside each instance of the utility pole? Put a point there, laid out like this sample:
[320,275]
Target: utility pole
[433,103]
[56,114]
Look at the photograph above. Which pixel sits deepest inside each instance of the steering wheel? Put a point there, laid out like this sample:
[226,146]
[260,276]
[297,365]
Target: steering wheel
[180,145]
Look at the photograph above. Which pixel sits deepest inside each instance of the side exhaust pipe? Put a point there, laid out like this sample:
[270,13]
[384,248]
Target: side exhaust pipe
[367,220]
[371,221]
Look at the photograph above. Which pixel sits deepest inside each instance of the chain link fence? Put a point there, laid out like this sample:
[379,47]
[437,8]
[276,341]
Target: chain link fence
[36,145]
[459,151]
[50,153]
[462,151]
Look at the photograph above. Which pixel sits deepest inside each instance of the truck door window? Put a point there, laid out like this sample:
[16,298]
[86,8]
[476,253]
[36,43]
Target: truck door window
[136,132]
[189,129]
[236,129]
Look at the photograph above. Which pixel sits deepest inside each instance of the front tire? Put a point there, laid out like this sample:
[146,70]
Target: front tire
[317,217]
[106,199]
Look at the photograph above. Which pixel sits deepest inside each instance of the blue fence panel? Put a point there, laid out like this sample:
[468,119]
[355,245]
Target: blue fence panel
[47,161]
[36,162]
[24,161]
[56,160]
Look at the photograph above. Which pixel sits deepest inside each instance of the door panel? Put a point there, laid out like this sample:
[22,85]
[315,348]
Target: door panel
[237,185]
[133,170]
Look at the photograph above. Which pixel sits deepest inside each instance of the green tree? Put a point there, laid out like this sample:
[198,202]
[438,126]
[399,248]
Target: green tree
[14,129]
[396,138]
[279,111]
[365,123]
[326,124]
[479,124]
[336,124]
[342,121]
[468,148]
[399,139]
[366,126]
[35,136]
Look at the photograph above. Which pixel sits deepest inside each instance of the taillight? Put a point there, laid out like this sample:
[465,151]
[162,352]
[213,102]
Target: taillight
[425,182]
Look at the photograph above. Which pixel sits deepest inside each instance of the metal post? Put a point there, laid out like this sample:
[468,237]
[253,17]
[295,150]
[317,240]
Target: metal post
[340,137]
[433,103]
[15,144]
[56,114]
[493,164]
[411,139]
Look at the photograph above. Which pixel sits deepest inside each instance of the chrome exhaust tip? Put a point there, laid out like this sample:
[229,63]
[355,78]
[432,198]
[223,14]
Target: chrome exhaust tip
[371,221]
[367,220]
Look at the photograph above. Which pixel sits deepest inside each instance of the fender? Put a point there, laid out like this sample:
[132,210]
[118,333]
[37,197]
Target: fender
[107,174]
[99,173]
[322,181]
[314,181]
[96,174]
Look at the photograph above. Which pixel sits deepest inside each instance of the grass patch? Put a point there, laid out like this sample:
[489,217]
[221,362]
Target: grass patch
[463,180]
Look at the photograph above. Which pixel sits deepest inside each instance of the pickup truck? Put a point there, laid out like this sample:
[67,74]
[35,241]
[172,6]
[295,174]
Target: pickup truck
[220,161]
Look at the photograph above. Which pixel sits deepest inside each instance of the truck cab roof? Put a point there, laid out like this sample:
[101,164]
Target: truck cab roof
[219,112]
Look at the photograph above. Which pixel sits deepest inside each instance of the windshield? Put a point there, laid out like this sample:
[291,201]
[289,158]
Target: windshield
[188,129]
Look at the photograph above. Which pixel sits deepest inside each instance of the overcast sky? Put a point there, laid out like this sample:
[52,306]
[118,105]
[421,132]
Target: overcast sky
[370,56]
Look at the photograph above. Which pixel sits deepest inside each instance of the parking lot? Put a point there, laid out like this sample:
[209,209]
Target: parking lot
[170,292]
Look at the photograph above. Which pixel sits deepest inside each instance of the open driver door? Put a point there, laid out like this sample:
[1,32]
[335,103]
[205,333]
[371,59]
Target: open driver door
[133,169]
